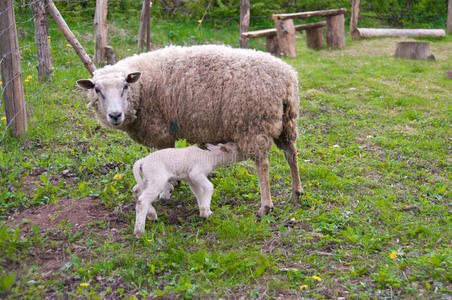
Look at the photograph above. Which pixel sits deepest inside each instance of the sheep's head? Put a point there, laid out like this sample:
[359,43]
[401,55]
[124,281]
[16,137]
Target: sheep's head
[108,95]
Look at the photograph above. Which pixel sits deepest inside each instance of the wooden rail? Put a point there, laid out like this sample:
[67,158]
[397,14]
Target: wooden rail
[309,14]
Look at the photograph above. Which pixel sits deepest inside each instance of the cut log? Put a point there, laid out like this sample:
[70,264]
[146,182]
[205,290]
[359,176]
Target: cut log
[375,32]
[413,50]
[335,34]
[314,38]
[272,45]
[309,14]
[285,31]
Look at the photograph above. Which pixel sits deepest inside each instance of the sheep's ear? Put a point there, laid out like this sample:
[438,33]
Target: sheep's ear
[211,147]
[86,84]
[133,77]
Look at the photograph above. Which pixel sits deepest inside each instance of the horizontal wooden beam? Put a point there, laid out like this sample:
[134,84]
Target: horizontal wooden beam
[272,31]
[374,32]
[309,14]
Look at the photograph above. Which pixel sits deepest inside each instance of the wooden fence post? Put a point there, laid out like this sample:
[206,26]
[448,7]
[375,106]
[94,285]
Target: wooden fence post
[354,20]
[70,36]
[100,30]
[449,17]
[335,36]
[244,21]
[13,90]
[41,40]
[285,31]
[144,33]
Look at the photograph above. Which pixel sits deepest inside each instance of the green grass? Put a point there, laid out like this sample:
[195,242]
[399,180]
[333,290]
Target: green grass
[374,152]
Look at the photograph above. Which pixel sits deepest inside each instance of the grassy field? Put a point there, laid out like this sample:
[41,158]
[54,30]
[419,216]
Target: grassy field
[374,222]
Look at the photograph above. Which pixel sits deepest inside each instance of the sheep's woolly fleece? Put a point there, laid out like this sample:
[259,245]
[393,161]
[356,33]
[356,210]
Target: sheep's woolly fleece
[207,94]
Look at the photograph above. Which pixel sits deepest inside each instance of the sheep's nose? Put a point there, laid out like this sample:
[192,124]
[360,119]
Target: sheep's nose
[115,116]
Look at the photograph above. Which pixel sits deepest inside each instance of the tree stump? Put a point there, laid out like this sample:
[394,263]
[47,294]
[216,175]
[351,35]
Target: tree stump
[413,50]
[335,35]
[314,38]
[285,32]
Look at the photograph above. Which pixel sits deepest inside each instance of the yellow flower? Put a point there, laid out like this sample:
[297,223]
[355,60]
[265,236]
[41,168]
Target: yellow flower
[68,45]
[53,68]
[117,177]
[29,77]
[199,21]
[84,284]
[393,255]
[149,241]
[3,118]
[1,82]
[316,278]
[26,80]
[304,286]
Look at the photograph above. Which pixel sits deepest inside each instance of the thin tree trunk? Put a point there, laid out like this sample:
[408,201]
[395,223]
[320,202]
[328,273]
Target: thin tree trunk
[100,30]
[244,21]
[41,40]
[449,17]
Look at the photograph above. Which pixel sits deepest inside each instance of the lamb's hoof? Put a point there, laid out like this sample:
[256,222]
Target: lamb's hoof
[264,210]
[205,212]
[137,233]
[152,217]
[163,197]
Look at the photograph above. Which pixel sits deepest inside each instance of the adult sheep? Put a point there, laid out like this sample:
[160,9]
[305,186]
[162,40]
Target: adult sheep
[204,94]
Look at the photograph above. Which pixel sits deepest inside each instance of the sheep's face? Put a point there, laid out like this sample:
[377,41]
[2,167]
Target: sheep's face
[109,96]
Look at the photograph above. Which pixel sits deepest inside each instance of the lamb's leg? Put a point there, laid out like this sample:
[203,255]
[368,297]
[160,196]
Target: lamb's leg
[167,190]
[264,184]
[144,207]
[291,156]
[203,190]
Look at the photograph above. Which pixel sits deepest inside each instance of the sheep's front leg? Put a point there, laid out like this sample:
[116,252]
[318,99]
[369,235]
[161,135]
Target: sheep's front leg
[264,185]
[144,207]
[203,190]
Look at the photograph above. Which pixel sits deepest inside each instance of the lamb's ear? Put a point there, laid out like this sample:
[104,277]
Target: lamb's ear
[86,84]
[224,148]
[133,77]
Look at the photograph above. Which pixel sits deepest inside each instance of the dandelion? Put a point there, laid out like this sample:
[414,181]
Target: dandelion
[3,118]
[1,82]
[149,241]
[200,21]
[316,278]
[117,177]
[303,287]
[29,77]
[84,284]
[26,80]
[69,45]
[53,68]
[393,255]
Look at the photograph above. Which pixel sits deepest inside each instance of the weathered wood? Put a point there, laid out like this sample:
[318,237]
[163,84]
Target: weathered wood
[13,90]
[272,31]
[110,55]
[314,38]
[309,14]
[374,32]
[144,33]
[413,50]
[41,40]
[285,31]
[449,17]
[244,22]
[100,30]
[335,35]
[449,74]
[51,8]
[272,45]
[354,20]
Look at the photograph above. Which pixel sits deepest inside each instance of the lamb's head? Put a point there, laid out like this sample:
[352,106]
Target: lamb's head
[228,153]
[108,94]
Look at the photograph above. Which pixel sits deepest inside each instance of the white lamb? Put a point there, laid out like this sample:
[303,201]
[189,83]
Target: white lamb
[192,164]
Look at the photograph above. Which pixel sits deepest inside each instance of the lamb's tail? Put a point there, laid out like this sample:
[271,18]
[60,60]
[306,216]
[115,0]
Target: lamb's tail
[137,171]
[290,115]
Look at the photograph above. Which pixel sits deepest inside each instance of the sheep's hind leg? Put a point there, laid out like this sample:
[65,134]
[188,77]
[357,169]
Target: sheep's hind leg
[264,185]
[144,207]
[291,156]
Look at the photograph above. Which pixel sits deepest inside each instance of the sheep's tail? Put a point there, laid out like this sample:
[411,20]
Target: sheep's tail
[291,106]
[137,171]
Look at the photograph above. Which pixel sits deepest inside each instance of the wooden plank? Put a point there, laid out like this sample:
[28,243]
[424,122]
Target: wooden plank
[309,14]
[244,22]
[374,32]
[41,40]
[13,90]
[100,30]
[53,11]
[272,31]
[354,20]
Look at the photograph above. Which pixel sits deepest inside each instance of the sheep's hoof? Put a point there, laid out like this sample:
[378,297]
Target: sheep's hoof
[205,212]
[264,210]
